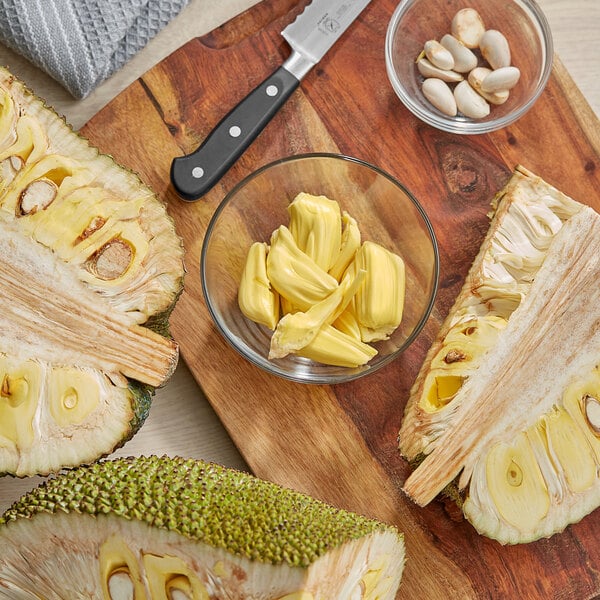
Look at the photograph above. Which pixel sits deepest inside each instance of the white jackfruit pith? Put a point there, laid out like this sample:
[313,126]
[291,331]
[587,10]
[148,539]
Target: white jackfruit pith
[174,529]
[90,268]
[504,412]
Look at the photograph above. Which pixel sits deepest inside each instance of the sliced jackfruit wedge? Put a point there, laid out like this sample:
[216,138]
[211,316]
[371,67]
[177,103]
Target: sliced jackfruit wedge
[504,412]
[90,268]
[176,529]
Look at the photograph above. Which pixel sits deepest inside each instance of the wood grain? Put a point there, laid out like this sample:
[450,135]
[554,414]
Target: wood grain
[339,443]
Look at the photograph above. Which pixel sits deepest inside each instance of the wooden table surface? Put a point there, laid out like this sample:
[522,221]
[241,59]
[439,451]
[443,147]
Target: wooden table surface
[181,421]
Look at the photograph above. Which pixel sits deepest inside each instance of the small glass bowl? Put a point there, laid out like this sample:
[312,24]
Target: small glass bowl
[386,213]
[522,23]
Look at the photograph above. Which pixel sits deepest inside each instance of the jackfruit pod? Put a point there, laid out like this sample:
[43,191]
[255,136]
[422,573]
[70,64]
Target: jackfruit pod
[334,347]
[255,297]
[457,357]
[73,395]
[493,297]
[296,330]
[119,571]
[316,226]
[350,244]
[8,118]
[169,578]
[379,302]
[39,184]
[569,451]
[347,323]
[29,146]
[20,385]
[582,402]
[293,274]
[514,488]
[286,306]
[31,142]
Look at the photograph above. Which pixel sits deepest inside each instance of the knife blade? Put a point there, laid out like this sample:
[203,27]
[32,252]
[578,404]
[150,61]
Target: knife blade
[310,36]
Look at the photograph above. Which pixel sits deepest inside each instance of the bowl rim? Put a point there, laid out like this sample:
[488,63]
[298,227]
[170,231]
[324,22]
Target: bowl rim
[272,367]
[469,127]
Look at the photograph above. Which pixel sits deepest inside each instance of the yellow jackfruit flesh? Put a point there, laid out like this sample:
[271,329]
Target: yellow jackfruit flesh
[334,294]
[255,297]
[296,330]
[379,303]
[506,407]
[293,274]
[334,347]
[315,224]
[90,268]
[350,243]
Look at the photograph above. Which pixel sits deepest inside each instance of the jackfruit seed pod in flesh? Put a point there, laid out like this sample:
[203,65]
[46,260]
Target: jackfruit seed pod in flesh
[30,144]
[255,297]
[379,302]
[316,225]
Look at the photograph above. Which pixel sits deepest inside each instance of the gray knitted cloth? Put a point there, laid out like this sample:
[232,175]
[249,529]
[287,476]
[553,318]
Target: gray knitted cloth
[82,42]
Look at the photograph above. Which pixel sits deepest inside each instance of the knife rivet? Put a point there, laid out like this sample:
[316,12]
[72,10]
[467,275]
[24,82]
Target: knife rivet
[197,172]
[235,131]
[272,90]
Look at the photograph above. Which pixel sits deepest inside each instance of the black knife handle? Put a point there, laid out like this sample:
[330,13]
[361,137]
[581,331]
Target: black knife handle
[195,174]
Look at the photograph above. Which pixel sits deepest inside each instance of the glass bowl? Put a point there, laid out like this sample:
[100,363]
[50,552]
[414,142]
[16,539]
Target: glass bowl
[522,23]
[386,213]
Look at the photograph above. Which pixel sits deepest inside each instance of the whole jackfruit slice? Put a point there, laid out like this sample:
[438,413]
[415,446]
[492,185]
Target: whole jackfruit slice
[90,267]
[504,413]
[175,529]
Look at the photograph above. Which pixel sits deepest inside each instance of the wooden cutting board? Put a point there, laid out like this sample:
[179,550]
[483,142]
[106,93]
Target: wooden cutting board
[339,443]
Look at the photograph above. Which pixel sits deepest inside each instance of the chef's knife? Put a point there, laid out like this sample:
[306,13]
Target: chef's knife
[310,36]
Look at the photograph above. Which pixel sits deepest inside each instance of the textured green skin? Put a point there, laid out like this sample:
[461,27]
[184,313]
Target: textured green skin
[451,491]
[202,501]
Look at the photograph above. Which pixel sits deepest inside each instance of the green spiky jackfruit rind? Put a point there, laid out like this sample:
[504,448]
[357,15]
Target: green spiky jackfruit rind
[142,400]
[205,502]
